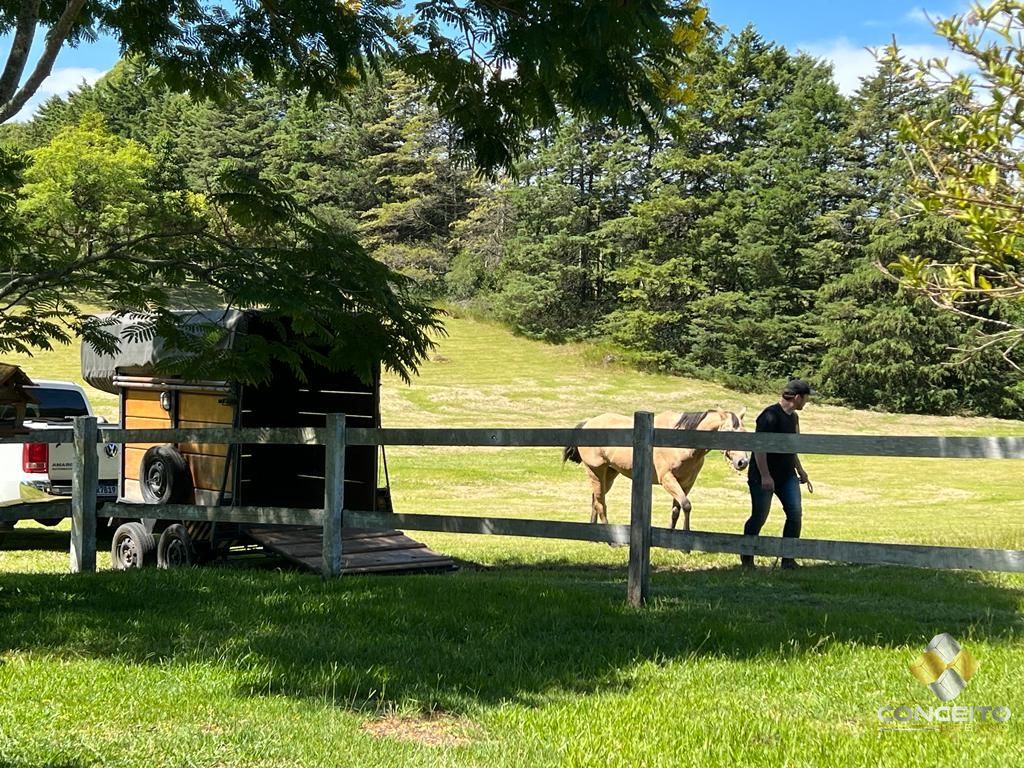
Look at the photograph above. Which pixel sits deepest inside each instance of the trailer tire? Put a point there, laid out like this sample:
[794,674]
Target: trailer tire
[175,548]
[165,477]
[133,547]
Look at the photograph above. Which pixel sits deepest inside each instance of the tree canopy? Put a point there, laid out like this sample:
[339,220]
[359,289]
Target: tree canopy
[493,72]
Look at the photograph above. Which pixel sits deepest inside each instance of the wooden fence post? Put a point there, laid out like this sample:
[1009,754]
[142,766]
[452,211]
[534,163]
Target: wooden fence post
[334,494]
[84,479]
[640,514]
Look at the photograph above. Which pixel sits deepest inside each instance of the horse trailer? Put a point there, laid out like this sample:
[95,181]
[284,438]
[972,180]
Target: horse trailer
[251,475]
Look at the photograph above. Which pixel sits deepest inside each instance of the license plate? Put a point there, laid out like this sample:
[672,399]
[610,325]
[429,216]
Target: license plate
[106,489]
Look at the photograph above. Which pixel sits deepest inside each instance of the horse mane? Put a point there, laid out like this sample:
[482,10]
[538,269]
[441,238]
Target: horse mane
[690,420]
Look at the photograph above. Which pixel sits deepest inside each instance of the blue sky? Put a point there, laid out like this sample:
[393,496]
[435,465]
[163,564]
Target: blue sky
[830,29]
[842,32]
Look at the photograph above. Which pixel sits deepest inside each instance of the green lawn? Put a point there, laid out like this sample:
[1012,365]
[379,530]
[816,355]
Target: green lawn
[529,655]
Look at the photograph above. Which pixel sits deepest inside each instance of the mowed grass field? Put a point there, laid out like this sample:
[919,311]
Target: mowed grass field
[528,655]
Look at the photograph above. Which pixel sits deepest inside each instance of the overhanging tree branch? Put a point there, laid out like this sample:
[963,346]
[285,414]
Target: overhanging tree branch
[55,40]
[28,17]
[123,252]
[968,170]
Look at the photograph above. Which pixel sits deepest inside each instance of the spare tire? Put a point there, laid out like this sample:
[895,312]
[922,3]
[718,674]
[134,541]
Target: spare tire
[165,477]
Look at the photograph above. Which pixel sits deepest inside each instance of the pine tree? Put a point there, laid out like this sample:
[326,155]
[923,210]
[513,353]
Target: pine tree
[553,279]
[422,185]
[721,281]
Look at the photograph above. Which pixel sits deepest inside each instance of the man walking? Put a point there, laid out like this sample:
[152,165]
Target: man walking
[778,474]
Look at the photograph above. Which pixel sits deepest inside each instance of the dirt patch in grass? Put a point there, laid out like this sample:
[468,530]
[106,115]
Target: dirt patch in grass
[434,730]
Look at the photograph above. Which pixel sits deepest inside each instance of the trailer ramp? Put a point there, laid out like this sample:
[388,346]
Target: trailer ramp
[362,550]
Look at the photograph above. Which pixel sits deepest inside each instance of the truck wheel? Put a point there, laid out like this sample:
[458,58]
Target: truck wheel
[133,547]
[165,477]
[175,549]
[49,521]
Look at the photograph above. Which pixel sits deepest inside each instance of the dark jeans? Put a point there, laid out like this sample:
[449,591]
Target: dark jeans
[788,492]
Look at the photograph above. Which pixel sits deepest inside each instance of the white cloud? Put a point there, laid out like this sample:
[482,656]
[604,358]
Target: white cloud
[851,62]
[60,82]
[63,80]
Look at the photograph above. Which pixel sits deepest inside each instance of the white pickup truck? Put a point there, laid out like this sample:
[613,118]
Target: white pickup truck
[42,471]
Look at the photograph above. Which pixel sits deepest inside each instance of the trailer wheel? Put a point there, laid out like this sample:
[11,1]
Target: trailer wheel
[175,548]
[133,547]
[165,477]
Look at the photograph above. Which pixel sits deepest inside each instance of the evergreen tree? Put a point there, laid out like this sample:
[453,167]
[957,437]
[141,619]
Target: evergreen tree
[422,185]
[721,280]
[480,241]
[553,280]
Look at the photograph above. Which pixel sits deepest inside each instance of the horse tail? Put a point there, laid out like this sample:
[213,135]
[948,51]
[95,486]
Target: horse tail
[572,452]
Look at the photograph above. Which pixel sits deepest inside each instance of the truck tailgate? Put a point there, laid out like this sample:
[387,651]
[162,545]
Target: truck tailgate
[109,455]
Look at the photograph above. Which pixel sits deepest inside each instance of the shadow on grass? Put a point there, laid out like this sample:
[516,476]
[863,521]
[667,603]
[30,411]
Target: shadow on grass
[47,539]
[481,637]
[27,539]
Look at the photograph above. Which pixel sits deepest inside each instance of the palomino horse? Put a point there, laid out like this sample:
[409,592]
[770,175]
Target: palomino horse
[676,469]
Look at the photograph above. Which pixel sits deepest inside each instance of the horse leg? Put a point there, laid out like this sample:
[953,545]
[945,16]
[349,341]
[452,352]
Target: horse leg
[679,500]
[601,479]
[598,508]
[609,478]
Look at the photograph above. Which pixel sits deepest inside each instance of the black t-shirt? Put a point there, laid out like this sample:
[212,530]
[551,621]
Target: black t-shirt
[780,465]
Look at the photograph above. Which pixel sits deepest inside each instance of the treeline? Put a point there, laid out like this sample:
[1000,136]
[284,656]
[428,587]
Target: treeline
[744,247]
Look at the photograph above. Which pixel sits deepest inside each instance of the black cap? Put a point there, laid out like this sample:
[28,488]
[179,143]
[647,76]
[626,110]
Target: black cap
[797,387]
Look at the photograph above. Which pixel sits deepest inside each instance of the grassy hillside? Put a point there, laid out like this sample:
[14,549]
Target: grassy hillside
[528,655]
[482,376]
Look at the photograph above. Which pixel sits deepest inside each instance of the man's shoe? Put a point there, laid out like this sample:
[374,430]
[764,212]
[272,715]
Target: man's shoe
[789,564]
[747,561]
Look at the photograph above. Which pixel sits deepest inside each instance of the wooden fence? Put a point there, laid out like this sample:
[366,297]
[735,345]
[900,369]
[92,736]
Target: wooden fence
[639,534]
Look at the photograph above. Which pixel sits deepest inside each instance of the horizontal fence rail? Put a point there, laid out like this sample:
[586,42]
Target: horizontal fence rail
[50,436]
[639,535]
[871,553]
[35,510]
[259,435]
[249,515]
[848,445]
[867,553]
[837,445]
[494,526]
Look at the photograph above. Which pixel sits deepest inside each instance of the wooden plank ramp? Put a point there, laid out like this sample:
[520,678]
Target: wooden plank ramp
[363,550]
